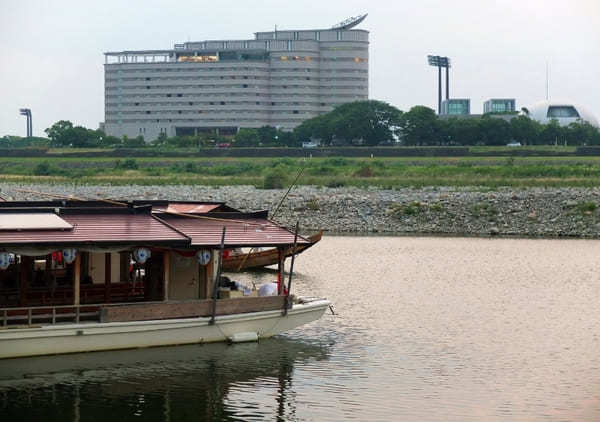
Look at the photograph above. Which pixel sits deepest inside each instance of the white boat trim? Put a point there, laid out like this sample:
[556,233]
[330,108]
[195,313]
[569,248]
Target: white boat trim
[92,336]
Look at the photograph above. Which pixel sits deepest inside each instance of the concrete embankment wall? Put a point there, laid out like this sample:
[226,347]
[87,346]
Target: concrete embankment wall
[300,152]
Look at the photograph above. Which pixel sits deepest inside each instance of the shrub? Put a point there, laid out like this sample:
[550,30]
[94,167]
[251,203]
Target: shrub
[275,178]
[128,164]
[337,161]
[323,170]
[364,171]
[313,204]
[42,169]
[336,183]
[190,167]
[586,207]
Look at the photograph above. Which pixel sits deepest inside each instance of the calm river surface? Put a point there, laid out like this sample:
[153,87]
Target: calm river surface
[427,329]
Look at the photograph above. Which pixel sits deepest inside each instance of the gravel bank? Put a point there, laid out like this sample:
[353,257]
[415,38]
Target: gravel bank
[445,211]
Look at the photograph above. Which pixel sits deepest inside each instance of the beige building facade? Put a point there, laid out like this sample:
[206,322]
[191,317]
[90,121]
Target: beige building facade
[279,79]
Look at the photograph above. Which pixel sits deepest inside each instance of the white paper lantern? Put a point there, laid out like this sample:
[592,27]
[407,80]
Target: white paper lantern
[4,260]
[141,255]
[203,256]
[69,255]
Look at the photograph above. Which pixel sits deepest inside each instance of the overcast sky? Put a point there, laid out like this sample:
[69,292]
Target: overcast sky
[51,51]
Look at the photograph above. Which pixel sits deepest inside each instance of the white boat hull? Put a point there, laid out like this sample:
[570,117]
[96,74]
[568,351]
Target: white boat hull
[88,337]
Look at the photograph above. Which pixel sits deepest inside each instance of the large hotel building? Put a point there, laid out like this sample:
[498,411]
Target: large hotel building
[279,79]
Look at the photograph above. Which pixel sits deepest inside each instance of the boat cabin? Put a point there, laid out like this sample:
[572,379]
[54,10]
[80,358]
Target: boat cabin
[106,261]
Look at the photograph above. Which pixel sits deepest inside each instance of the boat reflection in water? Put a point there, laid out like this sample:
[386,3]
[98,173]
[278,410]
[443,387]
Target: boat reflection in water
[167,383]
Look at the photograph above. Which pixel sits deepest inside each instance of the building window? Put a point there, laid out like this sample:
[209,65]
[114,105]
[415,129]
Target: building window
[179,95]
[147,86]
[222,102]
[283,58]
[147,111]
[168,95]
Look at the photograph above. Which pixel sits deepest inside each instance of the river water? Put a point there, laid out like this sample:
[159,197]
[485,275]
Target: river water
[427,329]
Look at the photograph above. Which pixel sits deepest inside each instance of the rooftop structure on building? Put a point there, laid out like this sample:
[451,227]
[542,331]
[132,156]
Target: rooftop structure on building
[565,112]
[456,106]
[280,78]
[499,105]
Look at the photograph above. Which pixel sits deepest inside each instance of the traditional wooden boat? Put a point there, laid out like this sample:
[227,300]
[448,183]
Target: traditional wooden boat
[264,258]
[78,276]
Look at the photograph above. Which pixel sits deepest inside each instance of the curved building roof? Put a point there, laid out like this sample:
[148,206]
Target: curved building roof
[564,112]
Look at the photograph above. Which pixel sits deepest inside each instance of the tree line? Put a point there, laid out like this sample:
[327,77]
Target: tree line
[367,123]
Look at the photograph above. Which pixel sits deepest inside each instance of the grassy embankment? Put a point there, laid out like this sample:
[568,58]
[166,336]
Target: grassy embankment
[490,172]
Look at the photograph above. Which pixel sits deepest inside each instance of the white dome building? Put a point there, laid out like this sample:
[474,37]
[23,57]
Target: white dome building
[564,112]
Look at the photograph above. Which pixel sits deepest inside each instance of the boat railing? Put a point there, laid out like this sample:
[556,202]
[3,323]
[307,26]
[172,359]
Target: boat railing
[29,316]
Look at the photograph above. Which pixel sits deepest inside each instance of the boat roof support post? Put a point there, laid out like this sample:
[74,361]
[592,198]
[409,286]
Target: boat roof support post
[25,275]
[167,273]
[280,270]
[217,279]
[77,279]
[107,276]
[287,303]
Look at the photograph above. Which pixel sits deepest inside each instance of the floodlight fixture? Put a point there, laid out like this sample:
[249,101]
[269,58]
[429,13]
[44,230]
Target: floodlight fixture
[27,112]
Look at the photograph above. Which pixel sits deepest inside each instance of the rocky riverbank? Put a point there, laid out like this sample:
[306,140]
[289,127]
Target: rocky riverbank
[443,211]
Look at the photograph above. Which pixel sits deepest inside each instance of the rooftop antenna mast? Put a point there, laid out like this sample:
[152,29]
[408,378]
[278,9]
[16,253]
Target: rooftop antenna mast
[547,82]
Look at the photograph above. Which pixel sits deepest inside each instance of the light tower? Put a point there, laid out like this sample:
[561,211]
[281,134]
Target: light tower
[440,62]
[27,112]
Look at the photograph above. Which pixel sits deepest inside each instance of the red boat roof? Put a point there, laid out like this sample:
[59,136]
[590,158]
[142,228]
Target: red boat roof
[92,228]
[158,223]
[238,233]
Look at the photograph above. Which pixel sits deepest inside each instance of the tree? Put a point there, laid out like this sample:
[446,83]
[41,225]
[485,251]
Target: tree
[136,142]
[371,121]
[58,132]
[267,135]
[64,134]
[581,133]
[494,131]
[525,130]
[246,138]
[320,127]
[455,131]
[420,126]
[551,133]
